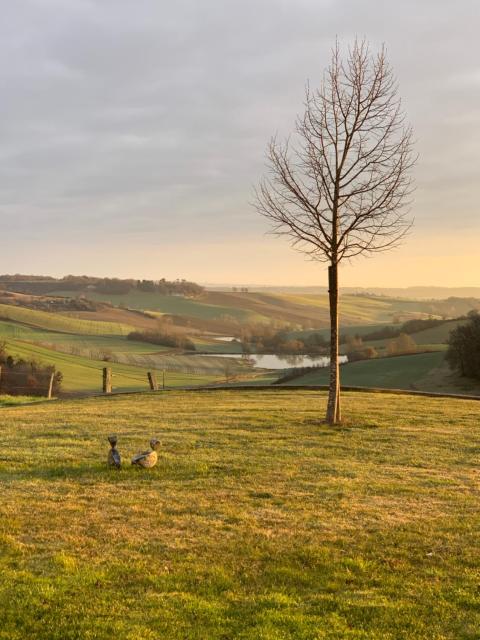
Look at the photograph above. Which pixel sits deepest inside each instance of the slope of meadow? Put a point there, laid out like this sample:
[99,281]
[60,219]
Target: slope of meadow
[59,322]
[84,375]
[72,341]
[422,372]
[258,521]
[399,372]
[258,307]
[203,307]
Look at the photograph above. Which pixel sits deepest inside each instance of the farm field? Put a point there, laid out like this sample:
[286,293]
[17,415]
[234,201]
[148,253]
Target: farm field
[115,343]
[59,322]
[257,522]
[84,375]
[436,335]
[204,344]
[260,307]
[422,372]
[201,307]
[78,346]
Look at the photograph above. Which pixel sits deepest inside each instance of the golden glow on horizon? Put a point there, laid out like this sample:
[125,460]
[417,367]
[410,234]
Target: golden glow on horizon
[449,261]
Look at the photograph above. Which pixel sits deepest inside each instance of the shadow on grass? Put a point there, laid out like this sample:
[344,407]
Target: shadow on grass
[90,473]
[345,426]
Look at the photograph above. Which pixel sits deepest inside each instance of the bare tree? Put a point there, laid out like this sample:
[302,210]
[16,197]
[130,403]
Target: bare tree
[342,188]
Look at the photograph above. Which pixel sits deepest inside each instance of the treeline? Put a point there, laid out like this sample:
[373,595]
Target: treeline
[26,377]
[163,338]
[46,284]
[409,327]
[270,338]
[463,354]
[264,338]
[50,303]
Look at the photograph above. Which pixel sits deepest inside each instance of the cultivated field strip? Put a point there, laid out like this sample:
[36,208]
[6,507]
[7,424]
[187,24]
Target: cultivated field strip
[57,322]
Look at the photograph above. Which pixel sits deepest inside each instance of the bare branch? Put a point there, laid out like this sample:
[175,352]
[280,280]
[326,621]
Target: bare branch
[344,188]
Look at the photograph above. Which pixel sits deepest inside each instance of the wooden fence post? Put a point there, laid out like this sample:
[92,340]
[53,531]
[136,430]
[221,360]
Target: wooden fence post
[163,381]
[50,386]
[107,380]
[0,378]
[152,381]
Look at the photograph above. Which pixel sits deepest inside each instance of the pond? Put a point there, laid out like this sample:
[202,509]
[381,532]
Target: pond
[273,361]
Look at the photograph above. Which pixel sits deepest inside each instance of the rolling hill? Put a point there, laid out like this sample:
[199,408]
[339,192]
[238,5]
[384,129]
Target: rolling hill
[59,322]
[212,308]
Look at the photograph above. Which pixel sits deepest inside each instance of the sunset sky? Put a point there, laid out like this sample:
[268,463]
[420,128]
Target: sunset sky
[133,132]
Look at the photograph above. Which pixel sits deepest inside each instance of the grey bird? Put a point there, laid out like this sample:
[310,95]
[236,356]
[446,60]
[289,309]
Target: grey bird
[114,459]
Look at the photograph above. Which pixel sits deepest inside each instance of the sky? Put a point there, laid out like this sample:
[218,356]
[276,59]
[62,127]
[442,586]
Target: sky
[132,133]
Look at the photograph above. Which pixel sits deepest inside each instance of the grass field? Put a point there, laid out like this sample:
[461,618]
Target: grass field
[257,523]
[262,307]
[114,343]
[84,375]
[420,371]
[80,359]
[400,372]
[58,322]
[193,307]
[437,335]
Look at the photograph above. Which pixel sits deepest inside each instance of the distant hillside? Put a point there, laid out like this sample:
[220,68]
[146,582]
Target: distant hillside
[224,311]
[416,293]
[36,285]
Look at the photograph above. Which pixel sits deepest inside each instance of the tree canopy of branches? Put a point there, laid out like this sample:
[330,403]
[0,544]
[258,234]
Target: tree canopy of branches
[341,186]
[463,352]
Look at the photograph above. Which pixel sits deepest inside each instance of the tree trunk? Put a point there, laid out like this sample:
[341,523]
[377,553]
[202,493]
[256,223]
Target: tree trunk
[333,405]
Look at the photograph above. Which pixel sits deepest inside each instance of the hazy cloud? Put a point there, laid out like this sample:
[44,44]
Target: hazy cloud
[121,117]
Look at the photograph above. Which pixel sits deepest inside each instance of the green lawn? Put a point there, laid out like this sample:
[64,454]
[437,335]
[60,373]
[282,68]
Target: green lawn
[399,372]
[258,522]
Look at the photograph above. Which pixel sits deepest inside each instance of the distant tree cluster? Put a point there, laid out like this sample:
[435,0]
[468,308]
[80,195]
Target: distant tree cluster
[50,303]
[26,377]
[356,350]
[264,338]
[19,277]
[162,338]
[463,354]
[402,345]
[411,326]
[46,284]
